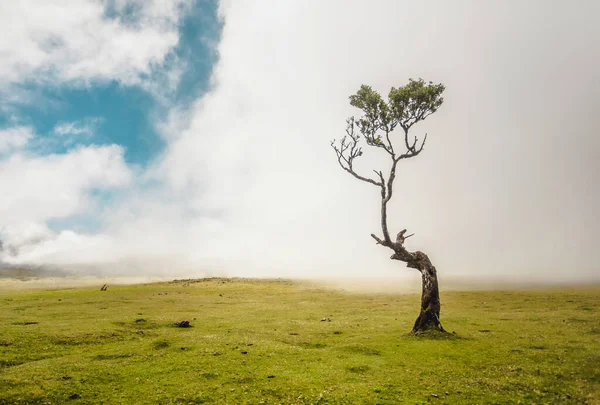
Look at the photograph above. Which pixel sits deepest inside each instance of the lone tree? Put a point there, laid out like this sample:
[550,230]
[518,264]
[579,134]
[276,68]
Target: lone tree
[406,106]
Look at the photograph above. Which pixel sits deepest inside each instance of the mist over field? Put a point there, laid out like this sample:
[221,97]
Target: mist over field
[217,160]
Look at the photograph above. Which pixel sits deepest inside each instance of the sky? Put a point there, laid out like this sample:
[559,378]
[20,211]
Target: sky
[192,137]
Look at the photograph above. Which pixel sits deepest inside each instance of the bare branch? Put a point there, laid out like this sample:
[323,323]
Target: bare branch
[400,253]
[346,163]
[412,150]
[390,145]
[379,241]
[422,144]
[400,238]
[359,177]
[348,150]
[378,173]
[414,144]
[405,128]
[369,128]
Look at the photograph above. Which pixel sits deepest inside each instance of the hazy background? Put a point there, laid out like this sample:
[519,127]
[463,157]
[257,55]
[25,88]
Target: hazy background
[246,183]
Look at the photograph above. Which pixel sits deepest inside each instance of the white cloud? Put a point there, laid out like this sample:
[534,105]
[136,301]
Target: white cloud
[14,138]
[83,127]
[76,41]
[39,188]
[24,233]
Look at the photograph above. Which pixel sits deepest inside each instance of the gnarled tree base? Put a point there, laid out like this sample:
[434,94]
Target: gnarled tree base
[429,317]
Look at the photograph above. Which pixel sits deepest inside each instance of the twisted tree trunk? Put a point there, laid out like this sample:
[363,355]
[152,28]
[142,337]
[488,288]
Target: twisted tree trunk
[429,316]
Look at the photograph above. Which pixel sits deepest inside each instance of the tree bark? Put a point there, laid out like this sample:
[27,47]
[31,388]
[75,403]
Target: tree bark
[429,316]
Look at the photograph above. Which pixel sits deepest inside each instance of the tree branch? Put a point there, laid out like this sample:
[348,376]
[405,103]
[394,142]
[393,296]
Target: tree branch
[346,164]
[391,146]
[378,173]
[379,241]
[411,150]
[422,144]
[348,150]
[405,128]
[412,260]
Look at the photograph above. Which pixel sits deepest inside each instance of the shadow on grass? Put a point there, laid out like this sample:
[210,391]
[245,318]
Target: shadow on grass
[434,335]
[9,363]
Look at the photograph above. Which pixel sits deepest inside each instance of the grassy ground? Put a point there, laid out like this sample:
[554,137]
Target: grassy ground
[278,342]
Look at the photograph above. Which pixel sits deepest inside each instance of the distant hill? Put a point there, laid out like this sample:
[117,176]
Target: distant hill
[26,273]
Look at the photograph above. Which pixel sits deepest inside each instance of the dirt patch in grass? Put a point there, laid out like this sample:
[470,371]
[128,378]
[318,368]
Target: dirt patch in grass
[9,363]
[161,344]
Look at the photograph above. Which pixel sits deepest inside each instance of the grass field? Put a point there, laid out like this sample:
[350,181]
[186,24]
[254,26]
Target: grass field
[268,342]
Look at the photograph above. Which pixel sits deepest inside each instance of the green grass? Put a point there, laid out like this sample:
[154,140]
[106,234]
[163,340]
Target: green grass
[265,342]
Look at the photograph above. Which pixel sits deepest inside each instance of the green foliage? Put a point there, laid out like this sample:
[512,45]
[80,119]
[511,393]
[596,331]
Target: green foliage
[406,106]
[254,341]
[415,101]
[376,111]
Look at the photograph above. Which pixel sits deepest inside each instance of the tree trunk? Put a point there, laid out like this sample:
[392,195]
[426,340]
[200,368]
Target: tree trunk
[429,318]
